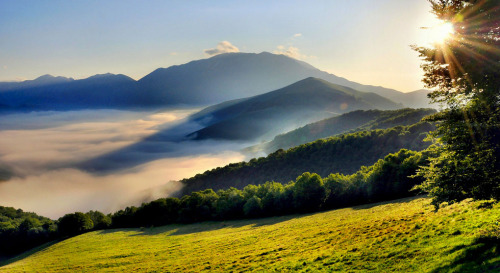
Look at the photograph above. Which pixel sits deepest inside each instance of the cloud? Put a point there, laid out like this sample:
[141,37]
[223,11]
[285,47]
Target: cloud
[44,149]
[222,47]
[297,35]
[291,52]
[57,192]
[35,142]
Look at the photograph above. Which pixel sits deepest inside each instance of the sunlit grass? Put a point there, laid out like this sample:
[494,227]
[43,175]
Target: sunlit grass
[405,235]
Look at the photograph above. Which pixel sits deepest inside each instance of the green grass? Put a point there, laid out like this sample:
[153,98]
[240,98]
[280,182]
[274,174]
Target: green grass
[405,235]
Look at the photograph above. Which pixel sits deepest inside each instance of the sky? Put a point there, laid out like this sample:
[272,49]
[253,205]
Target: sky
[365,41]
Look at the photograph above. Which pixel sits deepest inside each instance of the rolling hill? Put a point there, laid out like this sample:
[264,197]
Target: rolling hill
[202,82]
[349,122]
[405,235]
[287,108]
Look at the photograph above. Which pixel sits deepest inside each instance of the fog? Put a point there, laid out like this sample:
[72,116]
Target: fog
[44,152]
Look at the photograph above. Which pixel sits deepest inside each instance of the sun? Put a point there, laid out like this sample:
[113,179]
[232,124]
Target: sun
[440,32]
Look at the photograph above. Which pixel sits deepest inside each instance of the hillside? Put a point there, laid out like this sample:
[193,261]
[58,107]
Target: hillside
[348,122]
[271,113]
[405,235]
[201,82]
[343,154]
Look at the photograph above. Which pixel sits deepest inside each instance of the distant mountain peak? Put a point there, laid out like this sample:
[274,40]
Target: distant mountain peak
[106,76]
[47,78]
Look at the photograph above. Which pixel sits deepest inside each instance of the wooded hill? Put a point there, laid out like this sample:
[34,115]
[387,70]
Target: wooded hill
[341,154]
[354,121]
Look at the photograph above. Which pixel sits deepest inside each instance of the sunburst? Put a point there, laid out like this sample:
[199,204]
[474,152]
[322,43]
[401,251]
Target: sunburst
[440,32]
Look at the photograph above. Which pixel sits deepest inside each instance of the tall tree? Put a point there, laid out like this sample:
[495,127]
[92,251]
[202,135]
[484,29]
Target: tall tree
[464,71]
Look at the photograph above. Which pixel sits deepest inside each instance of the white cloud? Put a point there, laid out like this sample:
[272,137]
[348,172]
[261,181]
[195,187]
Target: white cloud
[291,52]
[43,159]
[296,35]
[54,193]
[222,47]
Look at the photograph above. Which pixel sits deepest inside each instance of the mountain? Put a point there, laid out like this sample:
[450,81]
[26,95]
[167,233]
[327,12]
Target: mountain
[40,81]
[343,154]
[202,82]
[98,91]
[349,122]
[274,112]
[236,75]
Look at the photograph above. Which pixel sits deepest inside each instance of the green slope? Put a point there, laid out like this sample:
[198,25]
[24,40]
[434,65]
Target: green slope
[405,236]
[349,122]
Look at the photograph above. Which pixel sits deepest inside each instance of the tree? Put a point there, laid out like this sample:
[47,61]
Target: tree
[74,224]
[309,192]
[99,220]
[464,70]
[253,207]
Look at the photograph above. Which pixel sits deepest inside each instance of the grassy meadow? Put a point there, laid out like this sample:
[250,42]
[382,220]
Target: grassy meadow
[405,235]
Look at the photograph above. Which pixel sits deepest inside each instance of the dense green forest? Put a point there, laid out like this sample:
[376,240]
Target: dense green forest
[354,121]
[343,154]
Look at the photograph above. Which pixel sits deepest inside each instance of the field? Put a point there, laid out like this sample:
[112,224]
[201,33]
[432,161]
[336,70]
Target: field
[405,235]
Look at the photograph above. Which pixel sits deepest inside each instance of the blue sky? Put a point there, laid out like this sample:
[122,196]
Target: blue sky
[365,40]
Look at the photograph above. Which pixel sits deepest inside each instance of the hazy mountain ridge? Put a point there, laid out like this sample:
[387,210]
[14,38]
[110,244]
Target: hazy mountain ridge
[271,113]
[202,82]
[40,81]
[98,91]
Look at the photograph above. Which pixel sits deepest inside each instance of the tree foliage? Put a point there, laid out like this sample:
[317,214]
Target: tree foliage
[75,223]
[464,70]
[21,230]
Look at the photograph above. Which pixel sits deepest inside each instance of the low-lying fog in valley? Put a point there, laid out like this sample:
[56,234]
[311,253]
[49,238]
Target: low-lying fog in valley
[45,157]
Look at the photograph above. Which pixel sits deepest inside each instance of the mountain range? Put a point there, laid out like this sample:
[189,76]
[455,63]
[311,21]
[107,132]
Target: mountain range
[282,110]
[202,82]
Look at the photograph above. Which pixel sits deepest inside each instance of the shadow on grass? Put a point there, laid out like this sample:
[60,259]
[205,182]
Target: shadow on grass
[27,253]
[482,255]
[184,229]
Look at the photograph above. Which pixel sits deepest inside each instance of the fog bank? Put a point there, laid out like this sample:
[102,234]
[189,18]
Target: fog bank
[42,152]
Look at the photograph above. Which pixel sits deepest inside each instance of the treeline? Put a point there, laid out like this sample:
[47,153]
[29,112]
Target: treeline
[20,231]
[343,154]
[387,179]
[351,122]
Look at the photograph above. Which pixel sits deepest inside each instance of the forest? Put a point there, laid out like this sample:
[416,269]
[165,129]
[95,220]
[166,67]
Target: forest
[339,154]
[389,178]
